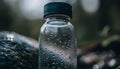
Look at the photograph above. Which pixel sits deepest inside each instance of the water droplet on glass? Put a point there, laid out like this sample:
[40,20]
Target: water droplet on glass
[45,48]
[50,52]
[67,47]
[54,59]
[69,57]
[53,56]
[65,43]
[59,41]
[43,53]
[46,58]
[61,63]
[48,38]
[53,63]
[54,43]
[62,46]
[2,53]
[48,64]
[55,50]
[6,54]
[96,67]
[53,67]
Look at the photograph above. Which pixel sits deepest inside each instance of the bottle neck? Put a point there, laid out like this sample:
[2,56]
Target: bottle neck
[57,18]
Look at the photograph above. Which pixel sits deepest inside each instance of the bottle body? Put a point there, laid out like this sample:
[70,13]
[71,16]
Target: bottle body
[57,45]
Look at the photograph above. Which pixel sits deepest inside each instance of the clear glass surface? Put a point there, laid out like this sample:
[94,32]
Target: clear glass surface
[57,44]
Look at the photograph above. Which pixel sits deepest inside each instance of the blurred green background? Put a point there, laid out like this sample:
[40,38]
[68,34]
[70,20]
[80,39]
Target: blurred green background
[93,19]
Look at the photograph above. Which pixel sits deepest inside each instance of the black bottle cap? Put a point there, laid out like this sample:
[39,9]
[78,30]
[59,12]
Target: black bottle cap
[58,8]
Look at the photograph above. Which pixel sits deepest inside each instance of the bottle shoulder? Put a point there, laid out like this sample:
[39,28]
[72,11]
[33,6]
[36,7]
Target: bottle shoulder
[58,23]
[57,27]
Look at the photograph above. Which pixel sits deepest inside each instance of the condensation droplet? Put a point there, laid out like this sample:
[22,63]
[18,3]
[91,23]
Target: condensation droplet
[96,67]
[55,50]
[54,43]
[63,46]
[65,43]
[57,39]
[68,44]
[48,38]
[51,35]
[69,57]
[53,67]
[6,54]
[46,58]
[54,59]
[65,67]
[67,47]
[50,52]
[60,41]
[56,63]
[53,63]
[61,63]
[2,53]
[53,56]
[43,53]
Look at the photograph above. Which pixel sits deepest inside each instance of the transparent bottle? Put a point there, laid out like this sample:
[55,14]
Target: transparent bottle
[57,40]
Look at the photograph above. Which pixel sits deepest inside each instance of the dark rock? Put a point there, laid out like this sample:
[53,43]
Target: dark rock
[17,52]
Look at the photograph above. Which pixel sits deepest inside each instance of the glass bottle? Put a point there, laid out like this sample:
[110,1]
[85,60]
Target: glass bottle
[57,40]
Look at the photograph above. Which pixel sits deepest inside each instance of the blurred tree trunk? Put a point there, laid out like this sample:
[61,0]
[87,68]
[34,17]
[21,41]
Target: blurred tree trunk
[103,14]
[5,18]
